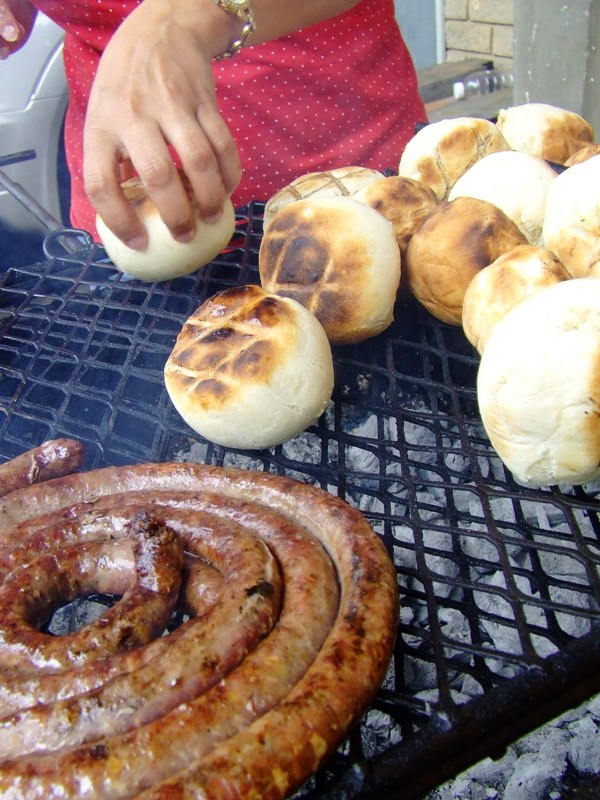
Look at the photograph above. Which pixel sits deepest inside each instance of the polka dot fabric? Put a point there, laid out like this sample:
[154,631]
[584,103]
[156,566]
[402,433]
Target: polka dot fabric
[338,93]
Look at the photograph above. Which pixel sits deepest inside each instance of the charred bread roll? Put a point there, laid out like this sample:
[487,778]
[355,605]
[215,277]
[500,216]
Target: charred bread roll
[497,288]
[572,219]
[403,201]
[457,240]
[165,258]
[544,130]
[538,388]
[582,154]
[441,152]
[515,182]
[249,369]
[339,182]
[337,257]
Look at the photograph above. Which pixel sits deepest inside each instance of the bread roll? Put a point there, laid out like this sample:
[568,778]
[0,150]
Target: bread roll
[402,201]
[339,182]
[515,182]
[544,130]
[572,220]
[457,240]
[250,370]
[538,387]
[582,154]
[497,288]
[339,258]
[593,267]
[165,257]
[441,152]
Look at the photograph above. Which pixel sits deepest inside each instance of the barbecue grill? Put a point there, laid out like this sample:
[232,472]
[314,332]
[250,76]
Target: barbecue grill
[500,584]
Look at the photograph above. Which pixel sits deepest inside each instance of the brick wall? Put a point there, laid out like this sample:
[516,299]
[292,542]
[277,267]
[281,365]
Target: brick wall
[479,29]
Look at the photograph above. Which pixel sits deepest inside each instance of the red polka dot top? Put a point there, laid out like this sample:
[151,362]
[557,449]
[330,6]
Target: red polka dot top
[339,93]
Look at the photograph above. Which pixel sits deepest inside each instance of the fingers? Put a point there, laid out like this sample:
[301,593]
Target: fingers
[10,30]
[102,177]
[16,22]
[208,156]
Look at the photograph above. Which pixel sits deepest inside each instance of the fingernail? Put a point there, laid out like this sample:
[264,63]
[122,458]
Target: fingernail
[184,234]
[137,243]
[10,33]
[212,218]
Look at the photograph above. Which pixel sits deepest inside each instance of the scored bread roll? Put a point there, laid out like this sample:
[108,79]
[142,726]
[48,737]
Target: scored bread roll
[339,258]
[338,182]
[403,201]
[455,241]
[165,258]
[250,370]
[538,389]
[572,219]
[515,182]
[439,153]
[498,287]
[544,130]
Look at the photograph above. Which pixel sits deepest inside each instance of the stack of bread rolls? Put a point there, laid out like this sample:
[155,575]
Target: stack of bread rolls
[480,218]
[530,308]
[486,227]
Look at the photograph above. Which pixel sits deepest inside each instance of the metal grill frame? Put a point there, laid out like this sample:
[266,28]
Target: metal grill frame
[82,351]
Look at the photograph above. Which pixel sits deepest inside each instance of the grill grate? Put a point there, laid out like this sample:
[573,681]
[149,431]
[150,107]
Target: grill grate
[500,584]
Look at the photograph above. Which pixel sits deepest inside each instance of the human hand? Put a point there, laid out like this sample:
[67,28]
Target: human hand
[16,23]
[155,90]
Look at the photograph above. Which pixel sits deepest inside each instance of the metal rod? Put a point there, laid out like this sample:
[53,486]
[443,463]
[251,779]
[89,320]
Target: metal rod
[16,158]
[30,203]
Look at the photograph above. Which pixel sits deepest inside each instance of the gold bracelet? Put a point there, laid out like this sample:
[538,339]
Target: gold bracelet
[242,10]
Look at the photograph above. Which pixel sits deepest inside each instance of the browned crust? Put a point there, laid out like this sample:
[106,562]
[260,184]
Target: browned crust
[456,240]
[239,335]
[403,201]
[582,153]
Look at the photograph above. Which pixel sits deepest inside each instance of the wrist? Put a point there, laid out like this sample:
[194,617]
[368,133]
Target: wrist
[240,11]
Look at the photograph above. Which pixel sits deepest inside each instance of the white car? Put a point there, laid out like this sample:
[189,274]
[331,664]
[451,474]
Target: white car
[33,102]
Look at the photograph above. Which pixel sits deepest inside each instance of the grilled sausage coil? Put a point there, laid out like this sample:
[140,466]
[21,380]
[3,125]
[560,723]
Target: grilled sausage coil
[293,604]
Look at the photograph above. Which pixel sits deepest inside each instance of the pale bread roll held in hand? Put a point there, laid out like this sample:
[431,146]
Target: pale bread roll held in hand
[572,219]
[544,130]
[165,258]
[538,387]
[338,182]
[457,240]
[515,182]
[337,257]
[402,201]
[497,288]
[249,369]
[441,152]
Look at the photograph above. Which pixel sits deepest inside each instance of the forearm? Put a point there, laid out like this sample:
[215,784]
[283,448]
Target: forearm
[275,18]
